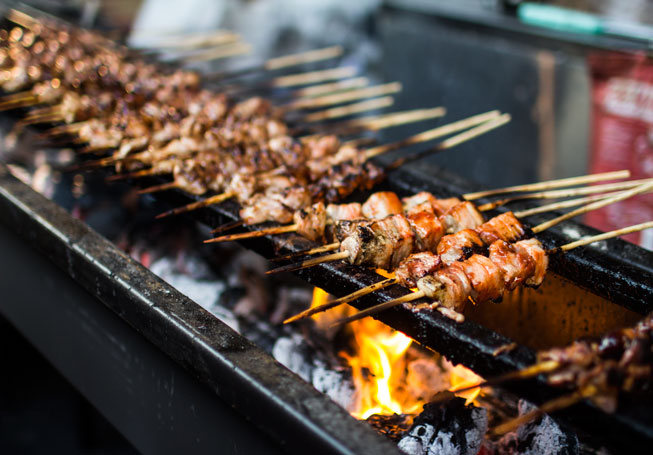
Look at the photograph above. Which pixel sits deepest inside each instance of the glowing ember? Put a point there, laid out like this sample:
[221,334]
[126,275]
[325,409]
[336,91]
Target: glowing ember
[389,377]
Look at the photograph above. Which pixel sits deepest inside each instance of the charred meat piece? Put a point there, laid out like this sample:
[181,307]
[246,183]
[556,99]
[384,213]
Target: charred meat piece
[463,215]
[458,246]
[427,228]
[417,266]
[382,204]
[533,248]
[485,276]
[516,267]
[311,221]
[502,227]
[449,287]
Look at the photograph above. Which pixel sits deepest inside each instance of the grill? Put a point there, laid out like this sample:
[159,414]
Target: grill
[111,305]
[251,381]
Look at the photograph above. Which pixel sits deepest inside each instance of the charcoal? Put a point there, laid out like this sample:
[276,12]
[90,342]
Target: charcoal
[540,436]
[393,426]
[449,428]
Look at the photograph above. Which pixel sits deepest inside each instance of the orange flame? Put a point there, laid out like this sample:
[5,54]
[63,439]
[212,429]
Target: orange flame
[386,381]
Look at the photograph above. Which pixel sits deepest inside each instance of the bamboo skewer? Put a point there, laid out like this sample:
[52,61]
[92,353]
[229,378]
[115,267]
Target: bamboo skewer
[343,97]
[550,184]
[554,194]
[434,133]
[606,235]
[347,110]
[563,204]
[220,52]
[277,63]
[197,205]
[556,404]
[313,77]
[331,87]
[336,302]
[593,206]
[309,252]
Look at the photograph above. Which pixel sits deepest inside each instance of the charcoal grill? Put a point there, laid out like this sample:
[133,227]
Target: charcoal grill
[238,374]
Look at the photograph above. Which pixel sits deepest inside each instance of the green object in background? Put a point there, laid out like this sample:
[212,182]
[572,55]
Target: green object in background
[560,19]
[566,20]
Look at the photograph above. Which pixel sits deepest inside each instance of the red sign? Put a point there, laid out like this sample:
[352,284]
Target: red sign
[622,135]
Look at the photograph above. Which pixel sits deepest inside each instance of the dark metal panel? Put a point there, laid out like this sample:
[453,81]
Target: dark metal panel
[294,414]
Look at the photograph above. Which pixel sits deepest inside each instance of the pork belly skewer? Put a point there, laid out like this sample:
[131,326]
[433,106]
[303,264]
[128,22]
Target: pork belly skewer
[485,278]
[451,248]
[463,223]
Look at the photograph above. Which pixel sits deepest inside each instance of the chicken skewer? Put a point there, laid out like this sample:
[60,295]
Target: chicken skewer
[485,278]
[327,170]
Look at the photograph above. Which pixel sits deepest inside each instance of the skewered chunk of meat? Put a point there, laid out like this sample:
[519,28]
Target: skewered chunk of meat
[516,267]
[416,266]
[504,227]
[311,221]
[448,287]
[439,206]
[381,243]
[485,276]
[533,248]
[458,246]
[463,215]
[427,228]
[340,212]
[382,204]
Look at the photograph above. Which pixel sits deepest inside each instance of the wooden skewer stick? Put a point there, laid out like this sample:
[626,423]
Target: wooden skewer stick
[197,205]
[309,252]
[219,52]
[192,41]
[452,141]
[301,58]
[310,263]
[313,77]
[433,133]
[563,204]
[382,307]
[554,194]
[327,306]
[550,184]
[550,406]
[604,236]
[340,85]
[157,188]
[528,372]
[253,234]
[331,87]
[343,97]
[228,226]
[349,109]
[593,206]
[280,62]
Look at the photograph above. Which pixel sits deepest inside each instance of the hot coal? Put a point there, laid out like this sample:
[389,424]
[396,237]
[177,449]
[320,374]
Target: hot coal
[449,428]
[540,436]
[393,426]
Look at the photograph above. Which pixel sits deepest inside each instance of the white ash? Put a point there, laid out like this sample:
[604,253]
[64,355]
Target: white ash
[205,291]
[541,436]
[295,354]
[446,429]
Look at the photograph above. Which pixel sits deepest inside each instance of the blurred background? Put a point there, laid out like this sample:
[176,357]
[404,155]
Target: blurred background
[580,93]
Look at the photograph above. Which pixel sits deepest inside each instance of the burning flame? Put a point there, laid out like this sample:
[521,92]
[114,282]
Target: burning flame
[386,381]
